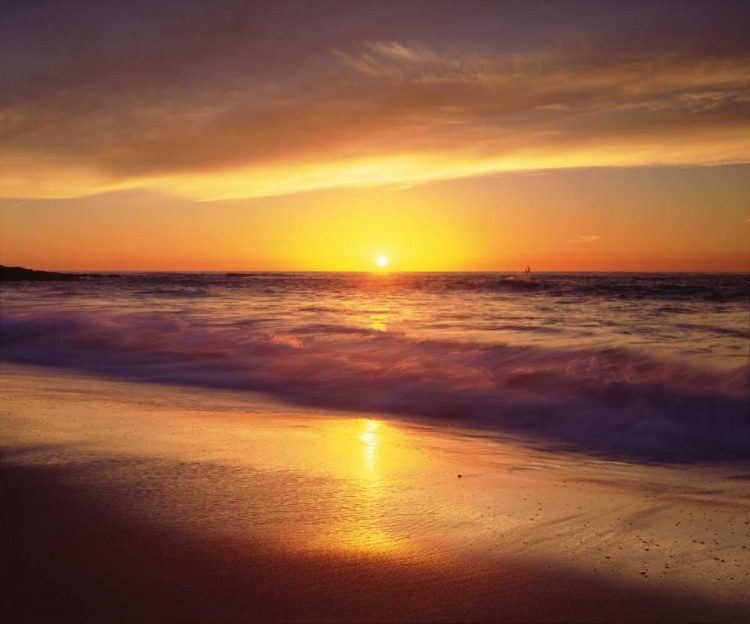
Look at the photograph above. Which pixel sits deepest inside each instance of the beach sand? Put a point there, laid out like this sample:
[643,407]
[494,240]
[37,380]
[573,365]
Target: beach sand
[138,502]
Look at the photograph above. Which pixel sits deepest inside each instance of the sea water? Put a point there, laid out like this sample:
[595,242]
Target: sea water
[643,366]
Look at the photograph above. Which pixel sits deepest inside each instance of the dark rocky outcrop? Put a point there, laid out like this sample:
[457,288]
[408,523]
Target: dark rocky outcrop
[19,274]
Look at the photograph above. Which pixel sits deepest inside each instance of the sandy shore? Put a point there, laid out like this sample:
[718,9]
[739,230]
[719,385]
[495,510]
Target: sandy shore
[126,502]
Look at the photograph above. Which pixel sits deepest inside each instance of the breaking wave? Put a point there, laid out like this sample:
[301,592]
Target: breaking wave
[596,399]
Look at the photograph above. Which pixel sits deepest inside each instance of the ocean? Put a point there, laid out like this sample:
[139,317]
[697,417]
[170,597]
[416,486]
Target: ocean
[645,367]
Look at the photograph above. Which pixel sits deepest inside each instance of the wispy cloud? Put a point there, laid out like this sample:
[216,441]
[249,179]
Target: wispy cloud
[585,239]
[253,109]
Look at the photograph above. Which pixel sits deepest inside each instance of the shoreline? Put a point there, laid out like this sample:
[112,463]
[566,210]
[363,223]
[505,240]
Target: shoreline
[127,501]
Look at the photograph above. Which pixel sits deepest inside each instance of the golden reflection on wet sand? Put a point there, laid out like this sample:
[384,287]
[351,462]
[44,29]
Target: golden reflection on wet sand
[370,449]
[363,494]
[216,464]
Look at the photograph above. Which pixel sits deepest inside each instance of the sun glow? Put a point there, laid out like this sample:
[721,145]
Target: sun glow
[382,261]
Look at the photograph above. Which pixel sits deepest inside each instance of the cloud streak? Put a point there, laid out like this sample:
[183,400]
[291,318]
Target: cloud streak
[585,239]
[257,106]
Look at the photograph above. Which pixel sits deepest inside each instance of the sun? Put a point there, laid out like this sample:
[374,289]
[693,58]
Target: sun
[382,261]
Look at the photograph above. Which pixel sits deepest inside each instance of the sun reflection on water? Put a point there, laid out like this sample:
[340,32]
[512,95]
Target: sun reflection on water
[380,326]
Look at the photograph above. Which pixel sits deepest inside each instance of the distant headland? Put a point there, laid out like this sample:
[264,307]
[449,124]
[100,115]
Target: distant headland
[21,274]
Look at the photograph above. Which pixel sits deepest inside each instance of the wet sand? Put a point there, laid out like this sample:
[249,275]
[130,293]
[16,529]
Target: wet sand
[128,502]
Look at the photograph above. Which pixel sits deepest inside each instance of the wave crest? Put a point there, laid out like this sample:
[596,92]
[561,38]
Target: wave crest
[606,400]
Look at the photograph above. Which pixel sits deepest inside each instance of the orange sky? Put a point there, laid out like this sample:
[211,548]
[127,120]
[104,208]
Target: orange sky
[447,136]
[577,220]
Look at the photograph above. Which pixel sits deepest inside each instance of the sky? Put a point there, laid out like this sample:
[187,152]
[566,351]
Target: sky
[447,136]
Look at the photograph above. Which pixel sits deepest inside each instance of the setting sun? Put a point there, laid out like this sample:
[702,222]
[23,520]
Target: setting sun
[382,261]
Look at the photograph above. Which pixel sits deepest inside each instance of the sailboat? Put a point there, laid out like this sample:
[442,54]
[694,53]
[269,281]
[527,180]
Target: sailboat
[528,270]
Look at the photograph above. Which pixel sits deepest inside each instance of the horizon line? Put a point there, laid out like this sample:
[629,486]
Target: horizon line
[373,272]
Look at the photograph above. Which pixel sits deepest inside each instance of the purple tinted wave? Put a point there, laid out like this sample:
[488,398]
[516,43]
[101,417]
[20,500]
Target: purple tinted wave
[606,400]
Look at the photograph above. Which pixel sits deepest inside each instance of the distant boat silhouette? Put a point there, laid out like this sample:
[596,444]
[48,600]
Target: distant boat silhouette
[528,270]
